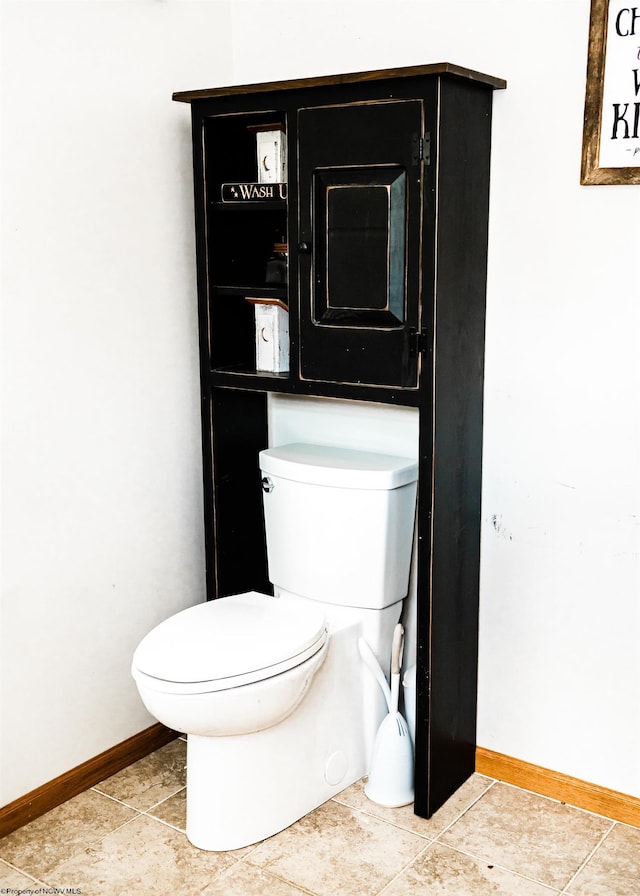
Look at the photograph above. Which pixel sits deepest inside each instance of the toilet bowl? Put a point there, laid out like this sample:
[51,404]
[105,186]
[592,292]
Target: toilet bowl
[279,711]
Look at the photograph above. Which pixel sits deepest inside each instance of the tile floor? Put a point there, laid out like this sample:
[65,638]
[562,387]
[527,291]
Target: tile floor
[126,836]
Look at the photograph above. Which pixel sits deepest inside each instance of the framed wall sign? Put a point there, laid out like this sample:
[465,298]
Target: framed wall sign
[611,136]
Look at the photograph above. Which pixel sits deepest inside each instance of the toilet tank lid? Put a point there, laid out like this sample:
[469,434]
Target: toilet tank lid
[338,467]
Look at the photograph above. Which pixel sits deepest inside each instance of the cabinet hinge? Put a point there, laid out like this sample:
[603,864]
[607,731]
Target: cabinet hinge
[418,341]
[421,149]
[426,148]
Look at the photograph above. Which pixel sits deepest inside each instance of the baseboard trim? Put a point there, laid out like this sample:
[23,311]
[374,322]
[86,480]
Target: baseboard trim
[601,800]
[30,806]
[592,797]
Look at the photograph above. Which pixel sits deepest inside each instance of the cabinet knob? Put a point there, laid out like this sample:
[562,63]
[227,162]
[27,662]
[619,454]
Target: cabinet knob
[304,248]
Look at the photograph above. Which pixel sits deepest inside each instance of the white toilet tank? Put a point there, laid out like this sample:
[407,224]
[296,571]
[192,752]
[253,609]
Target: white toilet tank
[339,523]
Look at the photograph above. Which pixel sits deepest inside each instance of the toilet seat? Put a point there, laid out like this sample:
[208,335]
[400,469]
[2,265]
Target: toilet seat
[228,643]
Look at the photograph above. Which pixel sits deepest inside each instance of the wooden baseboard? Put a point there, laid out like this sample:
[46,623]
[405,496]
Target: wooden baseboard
[601,800]
[592,797]
[23,810]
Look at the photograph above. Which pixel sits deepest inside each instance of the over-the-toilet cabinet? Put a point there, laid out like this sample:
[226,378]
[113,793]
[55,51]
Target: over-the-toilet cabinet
[383,209]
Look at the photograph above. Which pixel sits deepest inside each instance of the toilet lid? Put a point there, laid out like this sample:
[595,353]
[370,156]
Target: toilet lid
[232,641]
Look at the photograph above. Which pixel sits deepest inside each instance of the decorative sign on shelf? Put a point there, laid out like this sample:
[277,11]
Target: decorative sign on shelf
[253,192]
[611,136]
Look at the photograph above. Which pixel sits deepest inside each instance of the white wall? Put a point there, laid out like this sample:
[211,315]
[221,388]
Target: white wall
[101,496]
[560,608]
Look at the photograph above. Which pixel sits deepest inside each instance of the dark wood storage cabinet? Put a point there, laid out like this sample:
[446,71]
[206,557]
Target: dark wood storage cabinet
[385,219]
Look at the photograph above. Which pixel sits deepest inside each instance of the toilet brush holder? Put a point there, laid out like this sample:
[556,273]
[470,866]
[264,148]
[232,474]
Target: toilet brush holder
[391,777]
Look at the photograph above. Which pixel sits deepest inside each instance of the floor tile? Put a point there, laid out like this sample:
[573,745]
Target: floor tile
[173,810]
[529,834]
[441,871]
[489,839]
[614,870]
[62,832]
[143,857]
[150,780]
[404,817]
[10,879]
[337,849]
[245,880]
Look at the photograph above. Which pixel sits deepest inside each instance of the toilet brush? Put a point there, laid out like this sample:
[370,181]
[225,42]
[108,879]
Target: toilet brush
[391,777]
[371,661]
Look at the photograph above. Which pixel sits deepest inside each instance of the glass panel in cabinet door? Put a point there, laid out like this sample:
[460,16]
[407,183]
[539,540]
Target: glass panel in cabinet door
[359,221]
[359,265]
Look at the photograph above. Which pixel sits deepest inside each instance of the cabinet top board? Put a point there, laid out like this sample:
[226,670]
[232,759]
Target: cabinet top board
[440,68]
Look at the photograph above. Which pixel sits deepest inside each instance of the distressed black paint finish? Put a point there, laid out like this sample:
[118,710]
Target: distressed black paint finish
[359,209]
[239,433]
[447,674]
[386,223]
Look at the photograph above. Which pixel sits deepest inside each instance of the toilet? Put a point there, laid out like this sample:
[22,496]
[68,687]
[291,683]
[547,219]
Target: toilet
[279,710]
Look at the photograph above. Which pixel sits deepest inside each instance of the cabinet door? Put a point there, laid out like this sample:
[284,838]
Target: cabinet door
[359,242]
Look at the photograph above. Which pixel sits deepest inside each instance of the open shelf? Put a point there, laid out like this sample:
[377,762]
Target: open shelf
[232,333]
[240,370]
[241,237]
[254,292]
[230,148]
[241,241]
[248,206]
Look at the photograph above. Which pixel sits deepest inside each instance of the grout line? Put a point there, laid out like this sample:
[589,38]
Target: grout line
[167,824]
[299,887]
[371,813]
[114,799]
[464,811]
[559,802]
[90,843]
[485,861]
[391,823]
[428,846]
[394,824]
[589,857]
[510,870]
[182,831]
[117,828]
[239,859]
[92,840]
[164,799]
[51,884]
[20,871]
[136,808]
[108,796]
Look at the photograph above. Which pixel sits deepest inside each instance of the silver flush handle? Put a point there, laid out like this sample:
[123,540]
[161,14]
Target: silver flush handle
[267,484]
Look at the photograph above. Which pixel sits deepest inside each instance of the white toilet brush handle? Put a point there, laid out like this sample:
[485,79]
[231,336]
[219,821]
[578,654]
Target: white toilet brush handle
[397,649]
[375,668]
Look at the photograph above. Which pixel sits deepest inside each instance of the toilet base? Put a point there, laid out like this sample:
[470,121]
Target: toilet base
[244,788]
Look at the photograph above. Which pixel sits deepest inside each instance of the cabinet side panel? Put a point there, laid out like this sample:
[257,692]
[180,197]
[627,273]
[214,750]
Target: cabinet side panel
[236,525]
[463,191]
[234,422]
